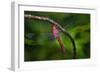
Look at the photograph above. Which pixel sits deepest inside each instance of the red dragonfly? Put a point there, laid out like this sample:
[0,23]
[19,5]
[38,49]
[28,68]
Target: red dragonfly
[55,33]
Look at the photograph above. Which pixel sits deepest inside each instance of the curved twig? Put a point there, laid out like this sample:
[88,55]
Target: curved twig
[58,26]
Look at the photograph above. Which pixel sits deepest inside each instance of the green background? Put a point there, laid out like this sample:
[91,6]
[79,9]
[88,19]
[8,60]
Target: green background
[39,44]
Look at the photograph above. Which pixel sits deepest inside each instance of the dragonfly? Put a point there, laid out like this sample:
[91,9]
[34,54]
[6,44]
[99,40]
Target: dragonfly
[55,33]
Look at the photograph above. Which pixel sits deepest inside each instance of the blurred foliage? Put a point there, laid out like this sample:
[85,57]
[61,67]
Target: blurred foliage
[41,45]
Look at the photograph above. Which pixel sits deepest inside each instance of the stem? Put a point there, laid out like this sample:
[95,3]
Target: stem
[58,26]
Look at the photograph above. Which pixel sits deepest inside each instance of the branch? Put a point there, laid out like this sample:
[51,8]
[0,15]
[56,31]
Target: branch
[58,26]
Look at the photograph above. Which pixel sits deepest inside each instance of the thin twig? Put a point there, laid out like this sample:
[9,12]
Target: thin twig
[58,26]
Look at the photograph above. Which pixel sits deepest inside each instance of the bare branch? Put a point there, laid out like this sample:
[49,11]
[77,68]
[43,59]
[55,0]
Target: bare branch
[44,19]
